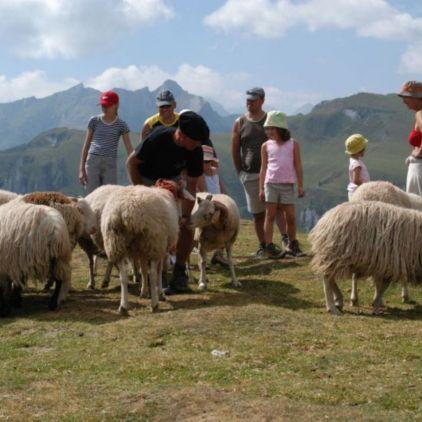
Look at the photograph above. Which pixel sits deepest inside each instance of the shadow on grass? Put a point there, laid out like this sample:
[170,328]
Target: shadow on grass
[396,314]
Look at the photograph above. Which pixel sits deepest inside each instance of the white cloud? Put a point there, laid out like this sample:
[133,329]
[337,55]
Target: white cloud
[34,83]
[369,18]
[68,29]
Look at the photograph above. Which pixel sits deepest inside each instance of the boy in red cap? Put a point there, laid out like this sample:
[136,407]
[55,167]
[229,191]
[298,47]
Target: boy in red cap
[98,164]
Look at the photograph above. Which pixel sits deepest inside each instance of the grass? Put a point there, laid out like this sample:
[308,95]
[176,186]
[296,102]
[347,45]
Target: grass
[285,356]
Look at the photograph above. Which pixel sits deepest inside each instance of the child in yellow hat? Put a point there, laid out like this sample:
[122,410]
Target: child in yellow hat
[358,173]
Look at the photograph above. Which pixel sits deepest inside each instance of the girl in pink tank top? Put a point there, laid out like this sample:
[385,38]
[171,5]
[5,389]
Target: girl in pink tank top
[281,169]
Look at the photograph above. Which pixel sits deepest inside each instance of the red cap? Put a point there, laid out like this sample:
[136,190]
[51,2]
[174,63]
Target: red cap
[108,98]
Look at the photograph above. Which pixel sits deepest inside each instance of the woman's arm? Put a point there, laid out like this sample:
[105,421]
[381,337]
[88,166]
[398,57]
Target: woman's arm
[84,155]
[128,144]
[297,162]
[263,171]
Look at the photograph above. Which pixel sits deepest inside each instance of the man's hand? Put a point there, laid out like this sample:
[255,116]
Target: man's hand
[300,193]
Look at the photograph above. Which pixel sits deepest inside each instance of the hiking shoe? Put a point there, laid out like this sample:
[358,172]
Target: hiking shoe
[178,284]
[294,249]
[285,240]
[219,258]
[273,252]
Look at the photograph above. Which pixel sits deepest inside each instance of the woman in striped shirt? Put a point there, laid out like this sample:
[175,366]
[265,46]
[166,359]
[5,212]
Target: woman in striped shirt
[98,164]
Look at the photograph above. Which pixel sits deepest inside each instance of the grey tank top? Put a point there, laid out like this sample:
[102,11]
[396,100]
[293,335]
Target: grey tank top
[252,136]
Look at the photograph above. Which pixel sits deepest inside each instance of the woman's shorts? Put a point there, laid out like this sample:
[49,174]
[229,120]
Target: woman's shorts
[280,193]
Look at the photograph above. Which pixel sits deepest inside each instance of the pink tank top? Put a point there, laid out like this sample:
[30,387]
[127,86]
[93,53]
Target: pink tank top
[280,165]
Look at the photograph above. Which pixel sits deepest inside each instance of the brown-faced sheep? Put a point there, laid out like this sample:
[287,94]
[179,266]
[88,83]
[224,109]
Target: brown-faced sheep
[216,219]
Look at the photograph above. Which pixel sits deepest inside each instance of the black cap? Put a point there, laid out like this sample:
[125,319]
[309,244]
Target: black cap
[194,126]
[165,98]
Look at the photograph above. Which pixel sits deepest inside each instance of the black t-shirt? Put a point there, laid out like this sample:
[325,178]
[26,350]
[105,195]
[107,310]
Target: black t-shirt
[162,158]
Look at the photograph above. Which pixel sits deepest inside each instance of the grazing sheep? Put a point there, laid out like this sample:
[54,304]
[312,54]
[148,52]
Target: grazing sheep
[6,196]
[216,219]
[34,243]
[76,212]
[142,223]
[390,194]
[369,239]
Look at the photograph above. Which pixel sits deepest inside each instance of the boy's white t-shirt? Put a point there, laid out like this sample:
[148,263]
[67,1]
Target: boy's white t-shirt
[364,174]
[212,183]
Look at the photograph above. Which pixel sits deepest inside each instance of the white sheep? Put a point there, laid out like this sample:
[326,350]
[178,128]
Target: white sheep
[384,192]
[141,223]
[93,246]
[217,221]
[369,239]
[6,196]
[34,243]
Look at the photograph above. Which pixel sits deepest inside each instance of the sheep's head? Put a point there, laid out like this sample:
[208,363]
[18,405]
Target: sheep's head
[90,221]
[208,212]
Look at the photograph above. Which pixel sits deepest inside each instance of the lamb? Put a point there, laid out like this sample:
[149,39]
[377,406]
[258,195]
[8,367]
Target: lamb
[34,242]
[369,239]
[142,223]
[6,196]
[390,194]
[216,219]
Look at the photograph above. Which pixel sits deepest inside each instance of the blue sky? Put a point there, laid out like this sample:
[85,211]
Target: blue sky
[299,51]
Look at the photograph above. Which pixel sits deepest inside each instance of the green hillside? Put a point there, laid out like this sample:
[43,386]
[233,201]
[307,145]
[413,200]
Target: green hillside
[50,161]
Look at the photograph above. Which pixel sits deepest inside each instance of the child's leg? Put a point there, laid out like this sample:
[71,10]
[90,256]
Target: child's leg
[281,222]
[109,175]
[270,214]
[290,213]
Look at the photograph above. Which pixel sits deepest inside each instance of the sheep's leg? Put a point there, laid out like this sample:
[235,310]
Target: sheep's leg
[338,296]
[5,296]
[92,271]
[329,297]
[405,292]
[106,279]
[202,261]
[189,271]
[16,296]
[95,264]
[381,286]
[124,295]
[161,295]
[145,282]
[54,300]
[136,275]
[354,300]
[153,274]
[235,281]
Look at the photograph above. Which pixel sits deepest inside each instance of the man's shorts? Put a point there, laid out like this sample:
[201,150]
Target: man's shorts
[280,193]
[250,182]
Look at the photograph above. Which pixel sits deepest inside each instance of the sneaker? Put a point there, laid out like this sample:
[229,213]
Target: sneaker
[178,284]
[273,252]
[260,253]
[219,258]
[285,240]
[294,249]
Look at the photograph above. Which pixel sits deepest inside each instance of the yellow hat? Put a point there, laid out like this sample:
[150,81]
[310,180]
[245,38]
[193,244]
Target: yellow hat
[355,143]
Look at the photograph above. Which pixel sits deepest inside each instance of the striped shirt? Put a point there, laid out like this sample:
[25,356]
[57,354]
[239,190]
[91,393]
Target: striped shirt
[105,139]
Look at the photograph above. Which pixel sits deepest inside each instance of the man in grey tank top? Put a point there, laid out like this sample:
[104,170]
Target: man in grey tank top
[247,137]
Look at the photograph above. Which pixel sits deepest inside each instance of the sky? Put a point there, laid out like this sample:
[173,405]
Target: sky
[300,51]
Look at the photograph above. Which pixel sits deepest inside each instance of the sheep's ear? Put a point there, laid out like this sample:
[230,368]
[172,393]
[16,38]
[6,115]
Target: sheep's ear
[209,198]
[199,199]
[73,199]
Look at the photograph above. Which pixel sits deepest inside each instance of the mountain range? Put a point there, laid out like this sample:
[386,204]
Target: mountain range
[22,120]
[50,160]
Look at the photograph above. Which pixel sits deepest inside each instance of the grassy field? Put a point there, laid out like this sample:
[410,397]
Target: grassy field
[284,356]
